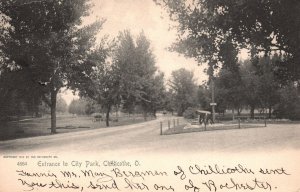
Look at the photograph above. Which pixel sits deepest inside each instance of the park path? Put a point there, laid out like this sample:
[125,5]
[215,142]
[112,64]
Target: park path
[145,138]
[97,139]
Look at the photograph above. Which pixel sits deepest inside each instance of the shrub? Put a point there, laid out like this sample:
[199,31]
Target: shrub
[289,105]
[190,113]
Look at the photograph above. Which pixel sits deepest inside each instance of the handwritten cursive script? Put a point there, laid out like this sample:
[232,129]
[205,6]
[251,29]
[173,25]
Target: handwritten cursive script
[194,178]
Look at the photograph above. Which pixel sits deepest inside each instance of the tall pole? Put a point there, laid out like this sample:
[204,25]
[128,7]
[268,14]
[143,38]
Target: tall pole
[213,99]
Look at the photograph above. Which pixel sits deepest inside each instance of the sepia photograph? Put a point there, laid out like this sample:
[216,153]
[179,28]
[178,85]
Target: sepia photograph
[149,95]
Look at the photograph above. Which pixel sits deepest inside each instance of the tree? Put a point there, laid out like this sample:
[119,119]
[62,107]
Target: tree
[155,94]
[125,67]
[102,82]
[250,82]
[78,107]
[151,86]
[134,64]
[16,97]
[263,27]
[203,97]
[268,26]
[183,84]
[229,89]
[124,75]
[269,85]
[46,43]
[61,104]
[169,102]
[288,105]
[259,86]
[112,82]
[228,83]
[106,89]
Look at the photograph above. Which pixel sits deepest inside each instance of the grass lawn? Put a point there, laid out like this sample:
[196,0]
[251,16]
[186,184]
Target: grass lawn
[41,126]
[225,125]
[188,128]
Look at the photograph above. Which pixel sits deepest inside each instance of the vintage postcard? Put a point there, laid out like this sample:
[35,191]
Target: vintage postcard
[149,95]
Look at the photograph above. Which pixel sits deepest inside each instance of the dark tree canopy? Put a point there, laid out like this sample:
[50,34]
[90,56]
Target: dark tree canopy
[183,86]
[46,42]
[204,26]
[124,75]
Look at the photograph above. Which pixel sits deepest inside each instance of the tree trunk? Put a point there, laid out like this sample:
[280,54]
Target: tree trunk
[233,115]
[133,115]
[36,111]
[252,108]
[145,115]
[36,107]
[154,114]
[239,110]
[117,113]
[180,111]
[53,111]
[270,112]
[107,116]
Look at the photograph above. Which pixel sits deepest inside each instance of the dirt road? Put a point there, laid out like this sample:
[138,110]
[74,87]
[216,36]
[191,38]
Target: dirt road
[145,138]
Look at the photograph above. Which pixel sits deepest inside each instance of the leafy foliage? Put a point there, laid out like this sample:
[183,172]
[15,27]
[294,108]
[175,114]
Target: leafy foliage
[124,75]
[83,106]
[289,104]
[190,113]
[205,26]
[184,89]
[44,42]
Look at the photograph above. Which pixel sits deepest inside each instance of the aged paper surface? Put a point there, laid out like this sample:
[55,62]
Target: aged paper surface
[164,165]
[138,158]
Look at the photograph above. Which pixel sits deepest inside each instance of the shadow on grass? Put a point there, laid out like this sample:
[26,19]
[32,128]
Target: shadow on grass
[41,126]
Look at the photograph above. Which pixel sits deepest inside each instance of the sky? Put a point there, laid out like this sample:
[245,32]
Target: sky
[144,15]
[137,16]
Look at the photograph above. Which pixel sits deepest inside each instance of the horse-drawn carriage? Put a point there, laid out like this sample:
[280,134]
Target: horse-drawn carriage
[204,117]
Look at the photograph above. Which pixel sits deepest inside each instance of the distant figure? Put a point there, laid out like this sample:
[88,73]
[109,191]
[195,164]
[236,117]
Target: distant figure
[209,119]
[202,118]
[205,117]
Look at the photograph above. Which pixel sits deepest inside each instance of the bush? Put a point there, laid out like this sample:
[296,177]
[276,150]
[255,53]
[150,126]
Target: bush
[288,110]
[289,105]
[190,113]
